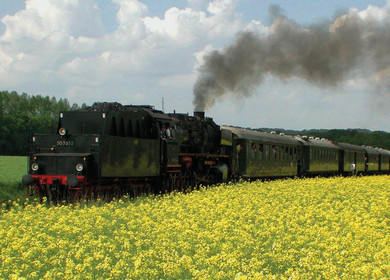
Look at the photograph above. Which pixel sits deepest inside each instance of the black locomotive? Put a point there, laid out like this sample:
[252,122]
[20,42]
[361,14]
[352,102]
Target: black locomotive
[111,149]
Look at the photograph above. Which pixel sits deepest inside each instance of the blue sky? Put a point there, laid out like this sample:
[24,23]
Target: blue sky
[137,52]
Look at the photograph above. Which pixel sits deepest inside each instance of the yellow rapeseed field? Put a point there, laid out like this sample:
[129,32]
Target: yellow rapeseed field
[323,228]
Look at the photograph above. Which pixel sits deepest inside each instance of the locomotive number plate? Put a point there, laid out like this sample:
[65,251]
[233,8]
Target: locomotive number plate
[65,143]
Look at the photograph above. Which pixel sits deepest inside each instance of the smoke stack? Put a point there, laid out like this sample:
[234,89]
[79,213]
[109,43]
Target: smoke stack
[199,114]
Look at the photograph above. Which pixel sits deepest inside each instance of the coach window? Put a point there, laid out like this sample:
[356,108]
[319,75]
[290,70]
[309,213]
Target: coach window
[261,149]
[253,150]
[267,153]
[274,152]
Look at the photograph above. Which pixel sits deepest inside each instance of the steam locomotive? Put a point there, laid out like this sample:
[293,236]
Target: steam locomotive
[112,149]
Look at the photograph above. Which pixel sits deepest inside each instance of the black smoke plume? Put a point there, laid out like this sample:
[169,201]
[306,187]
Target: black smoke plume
[324,54]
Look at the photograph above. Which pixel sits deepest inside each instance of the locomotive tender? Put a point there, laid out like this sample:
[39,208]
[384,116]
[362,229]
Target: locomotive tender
[113,149]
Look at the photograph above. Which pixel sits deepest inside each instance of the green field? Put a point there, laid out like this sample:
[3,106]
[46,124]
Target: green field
[322,228]
[12,169]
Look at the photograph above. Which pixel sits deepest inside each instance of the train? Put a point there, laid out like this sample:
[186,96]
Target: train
[110,149]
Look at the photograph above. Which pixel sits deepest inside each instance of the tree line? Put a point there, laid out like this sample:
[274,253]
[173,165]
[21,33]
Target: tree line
[23,114]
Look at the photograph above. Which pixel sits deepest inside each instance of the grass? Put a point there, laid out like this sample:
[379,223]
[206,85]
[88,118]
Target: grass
[12,168]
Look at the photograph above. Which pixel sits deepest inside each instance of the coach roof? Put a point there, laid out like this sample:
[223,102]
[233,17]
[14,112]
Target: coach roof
[255,135]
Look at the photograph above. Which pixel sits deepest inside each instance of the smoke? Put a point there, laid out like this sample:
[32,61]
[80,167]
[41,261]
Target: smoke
[324,54]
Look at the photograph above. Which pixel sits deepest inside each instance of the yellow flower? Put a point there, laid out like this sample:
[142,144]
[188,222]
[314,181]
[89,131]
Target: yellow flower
[330,228]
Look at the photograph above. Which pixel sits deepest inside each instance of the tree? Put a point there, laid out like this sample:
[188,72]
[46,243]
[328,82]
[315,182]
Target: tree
[21,115]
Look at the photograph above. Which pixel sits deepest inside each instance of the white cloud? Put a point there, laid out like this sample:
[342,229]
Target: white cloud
[222,7]
[43,18]
[59,47]
[63,42]
[130,11]
[373,13]
[178,81]
[131,30]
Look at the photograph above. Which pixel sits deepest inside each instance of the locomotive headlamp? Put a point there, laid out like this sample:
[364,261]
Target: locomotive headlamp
[79,167]
[62,131]
[34,166]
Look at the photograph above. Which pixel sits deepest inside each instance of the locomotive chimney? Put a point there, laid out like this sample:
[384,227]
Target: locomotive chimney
[199,114]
